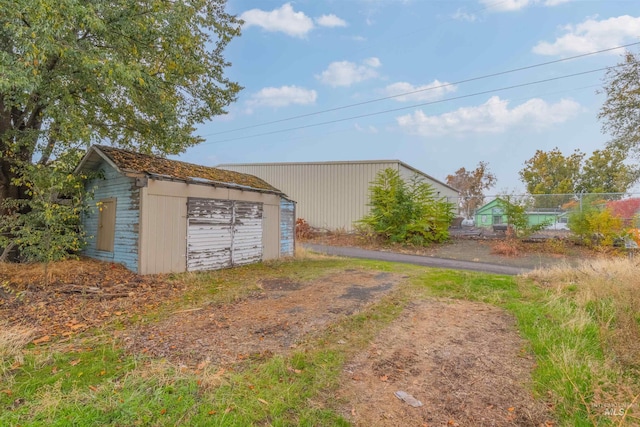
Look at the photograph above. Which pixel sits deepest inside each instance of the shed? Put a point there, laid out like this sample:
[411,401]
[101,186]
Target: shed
[333,195]
[157,215]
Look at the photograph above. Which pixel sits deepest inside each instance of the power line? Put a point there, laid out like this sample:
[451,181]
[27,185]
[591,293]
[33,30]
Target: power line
[344,129]
[408,107]
[486,76]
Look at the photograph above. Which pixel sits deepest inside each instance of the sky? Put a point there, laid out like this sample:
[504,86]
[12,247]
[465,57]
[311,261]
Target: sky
[411,80]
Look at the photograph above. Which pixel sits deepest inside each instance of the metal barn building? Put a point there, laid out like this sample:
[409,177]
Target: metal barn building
[332,195]
[156,215]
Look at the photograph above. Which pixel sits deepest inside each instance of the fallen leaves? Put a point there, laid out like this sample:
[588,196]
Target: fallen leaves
[41,340]
[80,295]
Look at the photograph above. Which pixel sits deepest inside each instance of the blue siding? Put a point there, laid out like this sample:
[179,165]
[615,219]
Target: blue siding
[287,227]
[127,195]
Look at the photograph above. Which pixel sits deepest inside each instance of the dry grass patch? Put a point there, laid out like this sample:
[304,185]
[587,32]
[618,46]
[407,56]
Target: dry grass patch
[605,294]
[13,339]
[508,248]
[608,290]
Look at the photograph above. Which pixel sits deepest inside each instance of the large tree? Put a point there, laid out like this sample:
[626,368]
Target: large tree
[138,74]
[472,185]
[551,172]
[620,112]
[607,172]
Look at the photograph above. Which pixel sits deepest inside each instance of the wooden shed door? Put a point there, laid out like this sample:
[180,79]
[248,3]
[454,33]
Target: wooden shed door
[222,233]
[287,227]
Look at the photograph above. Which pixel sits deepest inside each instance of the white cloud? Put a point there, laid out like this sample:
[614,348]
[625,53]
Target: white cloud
[592,35]
[461,15]
[288,21]
[285,20]
[283,96]
[346,73]
[494,116]
[555,2]
[511,5]
[428,92]
[331,20]
[366,129]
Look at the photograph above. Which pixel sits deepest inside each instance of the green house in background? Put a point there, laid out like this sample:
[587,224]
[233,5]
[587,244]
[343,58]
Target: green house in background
[493,214]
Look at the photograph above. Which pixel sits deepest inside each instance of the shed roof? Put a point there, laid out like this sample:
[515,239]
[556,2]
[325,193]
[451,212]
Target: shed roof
[155,167]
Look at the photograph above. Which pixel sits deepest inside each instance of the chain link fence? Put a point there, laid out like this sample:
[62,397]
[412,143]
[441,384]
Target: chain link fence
[552,209]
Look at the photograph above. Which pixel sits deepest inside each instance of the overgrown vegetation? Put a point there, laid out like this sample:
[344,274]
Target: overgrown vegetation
[598,223]
[406,212]
[581,325]
[45,226]
[517,219]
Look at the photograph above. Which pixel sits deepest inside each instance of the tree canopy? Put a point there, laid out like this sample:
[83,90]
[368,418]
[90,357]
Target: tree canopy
[136,74]
[620,112]
[472,185]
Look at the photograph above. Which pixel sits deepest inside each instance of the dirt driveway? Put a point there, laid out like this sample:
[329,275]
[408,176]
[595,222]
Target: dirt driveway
[464,361]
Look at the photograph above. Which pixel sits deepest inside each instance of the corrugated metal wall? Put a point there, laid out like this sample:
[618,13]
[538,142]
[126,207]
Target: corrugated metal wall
[328,195]
[441,189]
[127,195]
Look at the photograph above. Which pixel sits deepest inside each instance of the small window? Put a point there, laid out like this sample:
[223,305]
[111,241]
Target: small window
[497,219]
[563,220]
[106,225]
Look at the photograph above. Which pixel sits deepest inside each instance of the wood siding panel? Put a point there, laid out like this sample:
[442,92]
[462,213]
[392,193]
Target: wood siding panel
[287,228]
[127,218]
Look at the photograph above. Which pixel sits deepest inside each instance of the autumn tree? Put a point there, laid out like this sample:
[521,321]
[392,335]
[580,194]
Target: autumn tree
[139,75]
[472,185]
[551,172]
[607,172]
[620,112]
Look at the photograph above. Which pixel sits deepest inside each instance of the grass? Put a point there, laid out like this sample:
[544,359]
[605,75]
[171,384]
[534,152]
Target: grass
[581,325]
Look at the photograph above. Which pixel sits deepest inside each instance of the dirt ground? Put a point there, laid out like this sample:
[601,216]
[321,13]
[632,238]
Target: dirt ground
[463,361]
[271,321]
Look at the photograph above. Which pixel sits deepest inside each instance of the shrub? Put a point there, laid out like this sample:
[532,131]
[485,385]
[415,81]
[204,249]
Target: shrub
[596,225]
[303,229]
[404,212]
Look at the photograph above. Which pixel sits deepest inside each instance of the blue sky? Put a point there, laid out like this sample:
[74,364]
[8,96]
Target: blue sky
[305,57]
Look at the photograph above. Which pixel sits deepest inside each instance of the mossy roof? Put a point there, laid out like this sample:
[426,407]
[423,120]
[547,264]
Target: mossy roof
[130,161]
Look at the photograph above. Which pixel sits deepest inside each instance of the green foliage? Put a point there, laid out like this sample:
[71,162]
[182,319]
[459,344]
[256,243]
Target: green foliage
[406,212]
[46,226]
[607,172]
[517,218]
[551,173]
[620,112]
[595,224]
[141,75]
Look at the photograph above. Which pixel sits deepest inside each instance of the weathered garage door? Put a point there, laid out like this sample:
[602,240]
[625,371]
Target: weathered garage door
[287,227]
[222,233]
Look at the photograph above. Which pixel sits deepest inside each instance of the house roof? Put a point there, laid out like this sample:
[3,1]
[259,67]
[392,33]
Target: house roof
[130,162]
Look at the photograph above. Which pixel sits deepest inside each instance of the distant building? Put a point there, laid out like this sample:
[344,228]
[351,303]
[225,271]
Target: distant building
[156,215]
[333,195]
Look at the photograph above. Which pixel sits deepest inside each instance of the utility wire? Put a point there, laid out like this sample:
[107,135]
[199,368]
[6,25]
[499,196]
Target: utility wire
[409,107]
[486,76]
[345,129]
